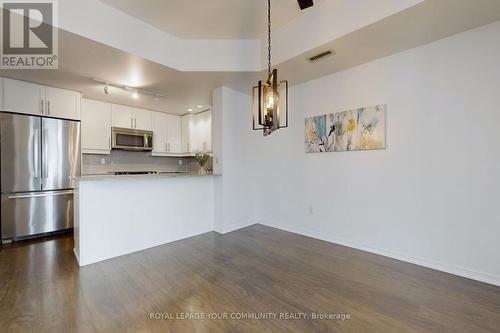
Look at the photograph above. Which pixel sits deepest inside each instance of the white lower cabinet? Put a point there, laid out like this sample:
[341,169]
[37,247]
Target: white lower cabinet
[96,127]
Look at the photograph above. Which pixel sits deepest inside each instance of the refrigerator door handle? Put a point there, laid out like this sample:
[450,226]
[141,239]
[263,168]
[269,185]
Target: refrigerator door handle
[37,195]
[36,147]
[45,165]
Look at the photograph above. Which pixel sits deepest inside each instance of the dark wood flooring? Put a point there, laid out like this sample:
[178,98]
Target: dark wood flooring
[253,270]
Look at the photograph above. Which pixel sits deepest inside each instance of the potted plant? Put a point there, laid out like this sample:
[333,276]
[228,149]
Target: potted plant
[202,160]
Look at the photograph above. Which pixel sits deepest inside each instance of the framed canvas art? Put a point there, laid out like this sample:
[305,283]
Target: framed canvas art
[360,129]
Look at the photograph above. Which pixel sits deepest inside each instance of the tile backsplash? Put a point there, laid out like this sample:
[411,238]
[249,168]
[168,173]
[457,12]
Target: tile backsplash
[120,160]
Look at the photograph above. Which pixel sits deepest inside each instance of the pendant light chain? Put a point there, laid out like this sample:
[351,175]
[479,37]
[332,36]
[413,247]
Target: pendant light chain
[269,38]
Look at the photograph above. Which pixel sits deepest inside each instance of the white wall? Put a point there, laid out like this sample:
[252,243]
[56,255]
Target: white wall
[432,196]
[234,191]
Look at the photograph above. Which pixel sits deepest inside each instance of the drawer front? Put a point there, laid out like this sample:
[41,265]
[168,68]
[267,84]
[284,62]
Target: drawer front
[25,214]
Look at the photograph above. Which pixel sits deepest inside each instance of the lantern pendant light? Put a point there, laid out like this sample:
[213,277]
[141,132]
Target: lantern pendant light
[270,98]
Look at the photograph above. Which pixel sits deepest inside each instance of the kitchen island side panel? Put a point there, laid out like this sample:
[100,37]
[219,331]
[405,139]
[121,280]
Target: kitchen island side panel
[125,215]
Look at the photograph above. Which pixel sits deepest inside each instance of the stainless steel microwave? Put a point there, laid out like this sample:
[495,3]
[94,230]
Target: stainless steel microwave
[131,139]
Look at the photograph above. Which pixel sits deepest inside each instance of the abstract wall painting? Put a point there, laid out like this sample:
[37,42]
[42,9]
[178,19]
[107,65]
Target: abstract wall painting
[316,134]
[360,129]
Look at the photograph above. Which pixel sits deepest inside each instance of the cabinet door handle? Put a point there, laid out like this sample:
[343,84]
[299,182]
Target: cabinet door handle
[109,143]
[135,123]
[48,107]
[41,105]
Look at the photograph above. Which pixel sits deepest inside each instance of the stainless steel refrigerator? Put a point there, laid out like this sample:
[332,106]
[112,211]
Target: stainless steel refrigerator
[39,163]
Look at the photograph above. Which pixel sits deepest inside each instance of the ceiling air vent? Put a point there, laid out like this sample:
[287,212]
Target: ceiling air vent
[322,55]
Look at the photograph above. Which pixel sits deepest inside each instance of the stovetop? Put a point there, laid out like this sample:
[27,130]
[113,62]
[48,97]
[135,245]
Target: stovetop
[147,172]
[120,173]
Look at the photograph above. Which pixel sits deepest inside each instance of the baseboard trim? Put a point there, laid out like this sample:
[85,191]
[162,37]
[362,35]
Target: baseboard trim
[447,268]
[76,256]
[235,226]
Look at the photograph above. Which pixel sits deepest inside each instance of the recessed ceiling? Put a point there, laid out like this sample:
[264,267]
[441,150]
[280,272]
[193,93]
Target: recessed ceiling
[211,19]
[81,59]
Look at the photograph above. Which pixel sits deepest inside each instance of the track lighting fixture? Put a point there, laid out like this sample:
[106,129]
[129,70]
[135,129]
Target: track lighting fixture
[135,91]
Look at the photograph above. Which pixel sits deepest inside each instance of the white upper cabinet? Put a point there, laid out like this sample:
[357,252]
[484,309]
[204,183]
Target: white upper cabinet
[122,116]
[159,132]
[62,103]
[23,97]
[167,133]
[185,129]
[173,134]
[142,119]
[205,126]
[197,132]
[31,98]
[96,127]
[130,117]
[195,140]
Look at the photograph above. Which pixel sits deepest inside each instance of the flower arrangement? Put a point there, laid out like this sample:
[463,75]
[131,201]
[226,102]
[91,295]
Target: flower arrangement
[202,160]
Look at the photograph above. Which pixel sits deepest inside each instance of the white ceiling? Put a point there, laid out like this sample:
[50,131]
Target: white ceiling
[211,19]
[81,59]
[423,23]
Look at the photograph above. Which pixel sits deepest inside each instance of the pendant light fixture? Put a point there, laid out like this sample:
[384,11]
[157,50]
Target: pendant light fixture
[270,98]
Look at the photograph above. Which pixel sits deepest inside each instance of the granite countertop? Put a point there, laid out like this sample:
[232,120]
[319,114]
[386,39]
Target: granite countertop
[103,176]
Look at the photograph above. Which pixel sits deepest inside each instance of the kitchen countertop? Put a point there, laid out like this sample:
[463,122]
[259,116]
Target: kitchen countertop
[105,176]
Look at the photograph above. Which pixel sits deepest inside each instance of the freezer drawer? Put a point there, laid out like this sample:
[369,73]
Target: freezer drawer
[25,214]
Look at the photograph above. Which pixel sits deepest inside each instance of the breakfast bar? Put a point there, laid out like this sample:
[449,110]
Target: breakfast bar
[117,215]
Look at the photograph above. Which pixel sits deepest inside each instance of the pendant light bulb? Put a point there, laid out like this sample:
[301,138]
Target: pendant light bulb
[269,99]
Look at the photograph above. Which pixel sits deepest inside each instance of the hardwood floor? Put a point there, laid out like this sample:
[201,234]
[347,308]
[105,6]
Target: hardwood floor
[253,270]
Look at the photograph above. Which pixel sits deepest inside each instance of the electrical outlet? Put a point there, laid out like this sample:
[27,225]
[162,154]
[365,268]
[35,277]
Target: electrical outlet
[180,162]
[311,210]
[103,161]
